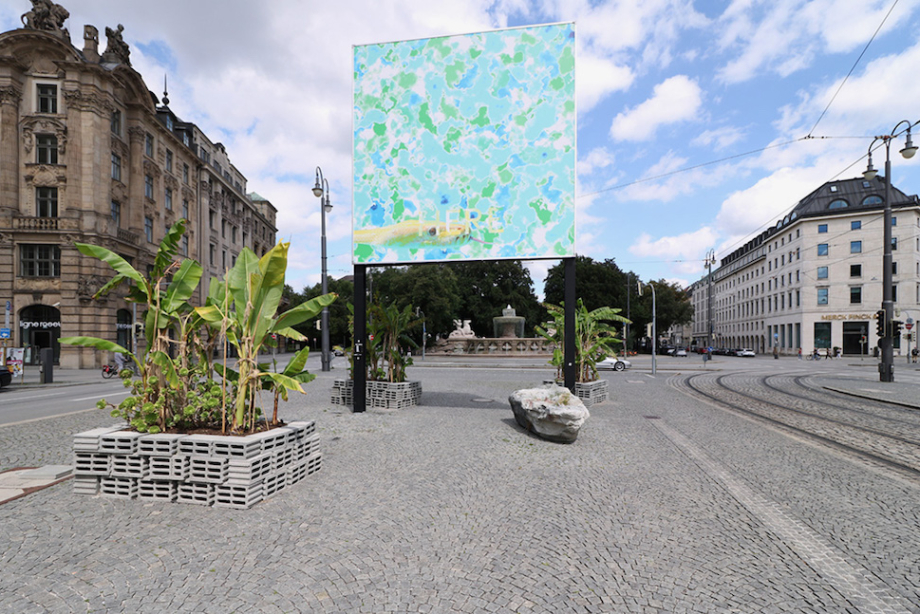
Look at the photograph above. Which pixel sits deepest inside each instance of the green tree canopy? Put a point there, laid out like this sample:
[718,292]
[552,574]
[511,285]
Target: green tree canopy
[430,288]
[488,287]
[338,312]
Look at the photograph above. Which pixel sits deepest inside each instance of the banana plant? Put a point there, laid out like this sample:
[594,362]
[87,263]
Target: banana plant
[247,311]
[594,338]
[166,304]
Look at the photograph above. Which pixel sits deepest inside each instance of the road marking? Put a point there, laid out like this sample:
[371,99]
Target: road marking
[856,583]
[102,396]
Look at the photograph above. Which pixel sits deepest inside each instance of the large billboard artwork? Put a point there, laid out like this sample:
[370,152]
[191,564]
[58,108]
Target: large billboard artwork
[464,147]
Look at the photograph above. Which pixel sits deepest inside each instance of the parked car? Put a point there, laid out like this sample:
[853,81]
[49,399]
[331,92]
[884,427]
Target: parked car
[612,362]
[6,377]
[746,353]
[680,352]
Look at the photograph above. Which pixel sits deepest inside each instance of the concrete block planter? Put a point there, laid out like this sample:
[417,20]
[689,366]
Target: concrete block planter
[235,472]
[383,395]
[590,393]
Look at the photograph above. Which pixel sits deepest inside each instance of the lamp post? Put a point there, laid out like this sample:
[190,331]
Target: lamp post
[321,191]
[654,326]
[710,260]
[886,367]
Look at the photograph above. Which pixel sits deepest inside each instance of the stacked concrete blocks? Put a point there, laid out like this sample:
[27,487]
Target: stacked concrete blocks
[382,395]
[591,393]
[235,472]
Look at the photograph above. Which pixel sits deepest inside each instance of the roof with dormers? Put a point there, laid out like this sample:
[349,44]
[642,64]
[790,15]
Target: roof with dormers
[833,198]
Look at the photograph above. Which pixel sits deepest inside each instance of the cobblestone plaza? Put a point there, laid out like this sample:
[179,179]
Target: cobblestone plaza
[665,503]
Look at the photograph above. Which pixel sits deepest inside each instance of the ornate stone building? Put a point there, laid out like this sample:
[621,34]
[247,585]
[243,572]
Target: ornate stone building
[89,154]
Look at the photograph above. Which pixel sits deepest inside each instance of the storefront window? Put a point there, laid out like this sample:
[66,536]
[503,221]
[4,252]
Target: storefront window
[822,335]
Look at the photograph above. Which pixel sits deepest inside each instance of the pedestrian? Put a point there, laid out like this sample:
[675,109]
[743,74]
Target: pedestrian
[827,353]
[776,352]
[800,353]
[119,361]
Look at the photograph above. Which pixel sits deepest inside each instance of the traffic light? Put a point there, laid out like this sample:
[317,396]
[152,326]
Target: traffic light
[895,329]
[880,324]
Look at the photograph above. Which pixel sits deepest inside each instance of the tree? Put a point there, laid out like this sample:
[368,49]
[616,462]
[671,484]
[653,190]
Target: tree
[486,288]
[598,284]
[430,288]
[672,306]
[338,312]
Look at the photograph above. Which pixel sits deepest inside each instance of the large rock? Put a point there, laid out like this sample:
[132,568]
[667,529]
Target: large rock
[551,412]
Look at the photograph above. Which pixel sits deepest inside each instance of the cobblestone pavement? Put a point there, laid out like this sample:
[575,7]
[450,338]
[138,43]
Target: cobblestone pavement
[664,504]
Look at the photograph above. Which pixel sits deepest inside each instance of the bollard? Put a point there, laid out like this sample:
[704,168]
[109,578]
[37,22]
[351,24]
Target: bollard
[47,368]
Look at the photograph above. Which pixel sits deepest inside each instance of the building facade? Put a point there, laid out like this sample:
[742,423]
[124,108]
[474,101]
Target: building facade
[88,154]
[814,280]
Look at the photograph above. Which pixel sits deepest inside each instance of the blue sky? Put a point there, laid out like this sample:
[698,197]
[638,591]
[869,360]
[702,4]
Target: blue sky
[662,85]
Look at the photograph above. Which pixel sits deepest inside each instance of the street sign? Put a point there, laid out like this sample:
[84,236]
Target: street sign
[4,333]
[9,306]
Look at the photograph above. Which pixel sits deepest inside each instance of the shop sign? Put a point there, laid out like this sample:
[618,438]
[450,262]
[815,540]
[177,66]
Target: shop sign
[849,316]
[39,325]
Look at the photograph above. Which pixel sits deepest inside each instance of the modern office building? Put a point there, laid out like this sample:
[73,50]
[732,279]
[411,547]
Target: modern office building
[814,280]
[89,154]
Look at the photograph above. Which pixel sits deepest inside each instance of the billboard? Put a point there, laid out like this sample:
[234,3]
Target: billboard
[464,147]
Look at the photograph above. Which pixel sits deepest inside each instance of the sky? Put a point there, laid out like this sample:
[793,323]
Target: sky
[699,124]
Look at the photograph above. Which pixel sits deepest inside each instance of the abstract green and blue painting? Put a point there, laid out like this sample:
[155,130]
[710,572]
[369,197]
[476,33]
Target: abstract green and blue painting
[464,147]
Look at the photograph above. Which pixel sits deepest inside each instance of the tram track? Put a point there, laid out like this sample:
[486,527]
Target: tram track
[890,442]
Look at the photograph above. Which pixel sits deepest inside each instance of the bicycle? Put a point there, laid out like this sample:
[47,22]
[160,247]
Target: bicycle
[109,371]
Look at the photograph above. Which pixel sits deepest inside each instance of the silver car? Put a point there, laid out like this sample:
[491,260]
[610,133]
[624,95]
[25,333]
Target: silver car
[612,362]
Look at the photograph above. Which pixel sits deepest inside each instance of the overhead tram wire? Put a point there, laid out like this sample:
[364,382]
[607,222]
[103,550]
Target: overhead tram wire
[855,64]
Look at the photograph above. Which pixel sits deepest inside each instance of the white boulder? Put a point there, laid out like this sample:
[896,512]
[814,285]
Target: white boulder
[551,412]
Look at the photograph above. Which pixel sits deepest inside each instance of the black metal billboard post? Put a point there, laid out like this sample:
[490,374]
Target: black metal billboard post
[569,332]
[359,392]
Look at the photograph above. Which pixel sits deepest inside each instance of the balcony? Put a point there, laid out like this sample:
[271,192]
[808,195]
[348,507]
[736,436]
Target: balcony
[129,237]
[37,223]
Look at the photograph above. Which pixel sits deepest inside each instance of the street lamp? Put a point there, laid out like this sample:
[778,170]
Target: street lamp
[886,367]
[710,260]
[654,326]
[321,191]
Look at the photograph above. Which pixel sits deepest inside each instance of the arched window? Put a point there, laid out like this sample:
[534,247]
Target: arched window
[838,204]
[872,200]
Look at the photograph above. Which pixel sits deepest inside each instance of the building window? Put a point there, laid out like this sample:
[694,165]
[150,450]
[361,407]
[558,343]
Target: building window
[855,225]
[822,335]
[822,228]
[116,122]
[46,202]
[855,247]
[185,174]
[822,272]
[39,261]
[148,229]
[169,160]
[223,229]
[185,208]
[838,204]
[116,213]
[169,199]
[855,295]
[233,234]
[116,167]
[894,243]
[894,220]
[47,98]
[46,149]
[855,270]
[822,249]
[148,186]
[894,268]
[148,145]
[894,293]
[185,140]
[212,251]
[169,122]
[822,296]
[185,245]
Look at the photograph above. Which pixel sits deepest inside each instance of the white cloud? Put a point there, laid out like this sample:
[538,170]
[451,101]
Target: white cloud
[599,157]
[685,251]
[598,77]
[719,139]
[674,100]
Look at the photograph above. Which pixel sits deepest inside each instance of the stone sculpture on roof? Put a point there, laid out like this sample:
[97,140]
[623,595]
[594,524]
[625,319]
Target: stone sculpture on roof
[46,15]
[117,49]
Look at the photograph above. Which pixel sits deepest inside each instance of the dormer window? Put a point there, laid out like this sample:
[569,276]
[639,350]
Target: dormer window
[872,200]
[838,204]
[833,188]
